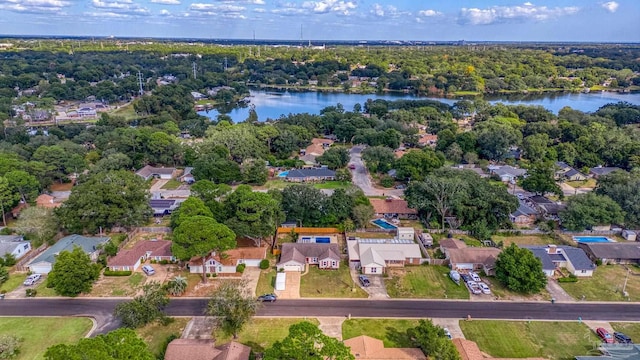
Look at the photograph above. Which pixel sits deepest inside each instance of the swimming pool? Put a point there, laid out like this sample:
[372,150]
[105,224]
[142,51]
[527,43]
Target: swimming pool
[592,239]
[384,224]
[283,174]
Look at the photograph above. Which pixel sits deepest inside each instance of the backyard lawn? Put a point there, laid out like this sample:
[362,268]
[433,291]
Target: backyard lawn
[172,185]
[15,280]
[630,329]
[392,332]
[518,339]
[330,283]
[426,281]
[605,285]
[155,334]
[525,240]
[37,335]
[261,333]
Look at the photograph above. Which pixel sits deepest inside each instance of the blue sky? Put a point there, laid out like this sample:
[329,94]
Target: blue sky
[438,20]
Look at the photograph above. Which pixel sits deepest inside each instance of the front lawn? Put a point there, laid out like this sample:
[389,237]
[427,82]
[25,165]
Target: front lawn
[605,285]
[392,332]
[632,330]
[589,183]
[499,290]
[426,281]
[39,333]
[155,334]
[319,283]
[172,185]
[519,339]
[266,282]
[333,185]
[261,333]
[15,280]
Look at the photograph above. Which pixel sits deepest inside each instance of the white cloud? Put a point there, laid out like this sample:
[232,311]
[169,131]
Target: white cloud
[111,5]
[166,2]
[34,6]
[611,6]
[429,13]
[223,8]
[165,12]
[107,14]
[519,13]
[326,6]
[387,11]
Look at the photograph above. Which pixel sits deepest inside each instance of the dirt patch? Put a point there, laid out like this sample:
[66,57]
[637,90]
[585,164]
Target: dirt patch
[61,187]
[201,289]
[145,236]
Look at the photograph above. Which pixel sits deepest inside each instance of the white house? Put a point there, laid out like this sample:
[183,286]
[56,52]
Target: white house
[507,173]
[555,257]
[226,264]
[373,256]
[164,173]
[14,245]
[43,264]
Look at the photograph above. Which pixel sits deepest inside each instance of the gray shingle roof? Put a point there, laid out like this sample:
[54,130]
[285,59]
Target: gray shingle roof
[603,170]
[572,172]
[9,247]
[562,165]
[576,256]
[613,250]
[304,173]
[299,251]
[523,209]
[87,244]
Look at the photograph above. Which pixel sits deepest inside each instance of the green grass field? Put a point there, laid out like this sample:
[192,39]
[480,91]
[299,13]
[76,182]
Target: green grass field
[172,185]
[630,329]
[427,281]
[39,333]
[266,282]
[15,280]
[155,334]
[261,333]
[330,284]
[392,332]
[332,185]
[605,285]
[518,339]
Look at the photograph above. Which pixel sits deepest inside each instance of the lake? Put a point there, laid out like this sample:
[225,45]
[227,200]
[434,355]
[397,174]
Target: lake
[272,104]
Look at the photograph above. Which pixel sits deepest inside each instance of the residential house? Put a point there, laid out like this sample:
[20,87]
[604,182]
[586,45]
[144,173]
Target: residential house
[187,176]
[596,172]
[48,201]
[228,262]
[43,263]
[507,173]
[131,259]
[374,256]
[87,112]
[14,245]
[450,243]
[566,172]
[162,207]
[523,216]
[548,209]
[393,208]
[469,350]
[198,96]
[318,147]
[149,172]
[427,140]
[205,349]
[556,257]
[296,256]
[613,252]
[310,175]
[472,258]
[309,235]
[367,348]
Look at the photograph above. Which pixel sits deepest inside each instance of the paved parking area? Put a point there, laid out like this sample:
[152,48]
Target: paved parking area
[452,324]
[376,290]
[291,287]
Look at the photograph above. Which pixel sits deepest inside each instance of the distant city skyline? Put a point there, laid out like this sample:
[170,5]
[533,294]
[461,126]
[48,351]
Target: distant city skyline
[433,20]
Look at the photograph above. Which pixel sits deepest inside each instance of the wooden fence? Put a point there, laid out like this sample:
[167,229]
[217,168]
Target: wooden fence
[21,265]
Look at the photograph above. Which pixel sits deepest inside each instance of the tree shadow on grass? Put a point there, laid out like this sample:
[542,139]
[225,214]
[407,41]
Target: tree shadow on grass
[399,338]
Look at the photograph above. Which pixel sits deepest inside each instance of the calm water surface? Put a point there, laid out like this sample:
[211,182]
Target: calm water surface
[272,104]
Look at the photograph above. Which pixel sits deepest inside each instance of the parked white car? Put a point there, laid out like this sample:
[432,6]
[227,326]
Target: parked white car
[485,288]
[32,279]
[474,276]
[473,286]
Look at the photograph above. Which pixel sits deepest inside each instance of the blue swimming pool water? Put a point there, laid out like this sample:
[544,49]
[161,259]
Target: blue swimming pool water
[385,225]
[592,239]
[283,174]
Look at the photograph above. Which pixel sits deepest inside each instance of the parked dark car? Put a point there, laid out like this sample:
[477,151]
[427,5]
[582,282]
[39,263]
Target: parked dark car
[622,338]
[605,335]
[364,280]
[466,278]
[267,298]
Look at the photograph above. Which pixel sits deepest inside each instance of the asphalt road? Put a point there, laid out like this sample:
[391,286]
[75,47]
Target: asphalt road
[103,308]
[361,176]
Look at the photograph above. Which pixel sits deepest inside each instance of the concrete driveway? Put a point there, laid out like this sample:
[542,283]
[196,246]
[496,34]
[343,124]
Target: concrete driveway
[291,287]
[376,289]
[362,179]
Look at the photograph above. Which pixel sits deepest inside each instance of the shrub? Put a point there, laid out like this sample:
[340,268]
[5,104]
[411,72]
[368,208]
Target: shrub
[568,279]
[117,273]
[598,262]
[240,268]
[31,292]
[386,181]
[9,260]
[164,262]
[264,264]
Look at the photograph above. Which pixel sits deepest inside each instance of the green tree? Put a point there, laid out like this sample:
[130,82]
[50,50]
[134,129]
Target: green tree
[540,179]
[535,146]
[38,223]
[415,165]
[23,183]
[432,340]
[4,275]
[624,189]
[343,175]
[307,342]
[362,214]
[145,308]
[379,158]
[436,193]
[73,273]
[336,157]
[8,198]
[232,307]
[495,138]
[121,344]
[199,236]
[105,200]
[584,211]
[304,204]
[189,208]
[519,270]
[255,173]
[254,215]
[9,346]
[177,286]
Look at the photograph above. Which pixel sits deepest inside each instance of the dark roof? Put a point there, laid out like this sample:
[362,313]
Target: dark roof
[613,250]
[553,208]
[523,209]
[161,203]
[603,170]
[572,172]
[540,200]
[299,251]
[149,170]
[562,165]
[576,256]
[304,173]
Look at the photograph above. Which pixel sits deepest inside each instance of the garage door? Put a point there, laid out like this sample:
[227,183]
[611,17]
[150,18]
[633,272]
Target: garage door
[40,269]
[323,240]
[292,268]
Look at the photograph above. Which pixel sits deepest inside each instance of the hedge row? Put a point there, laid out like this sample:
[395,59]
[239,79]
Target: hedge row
[117,273]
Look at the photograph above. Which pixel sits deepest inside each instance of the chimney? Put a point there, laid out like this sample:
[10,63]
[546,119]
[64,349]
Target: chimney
[553,249]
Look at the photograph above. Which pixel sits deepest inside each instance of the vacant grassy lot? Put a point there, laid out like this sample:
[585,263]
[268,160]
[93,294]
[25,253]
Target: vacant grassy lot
[261,333]
[156,334]
[605,285]
[518,339]
[330,283]
[15,280]
[431,282]
[630,329]
[37,333]
[333,185]
[392,332]
[525,240]
[118,285]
